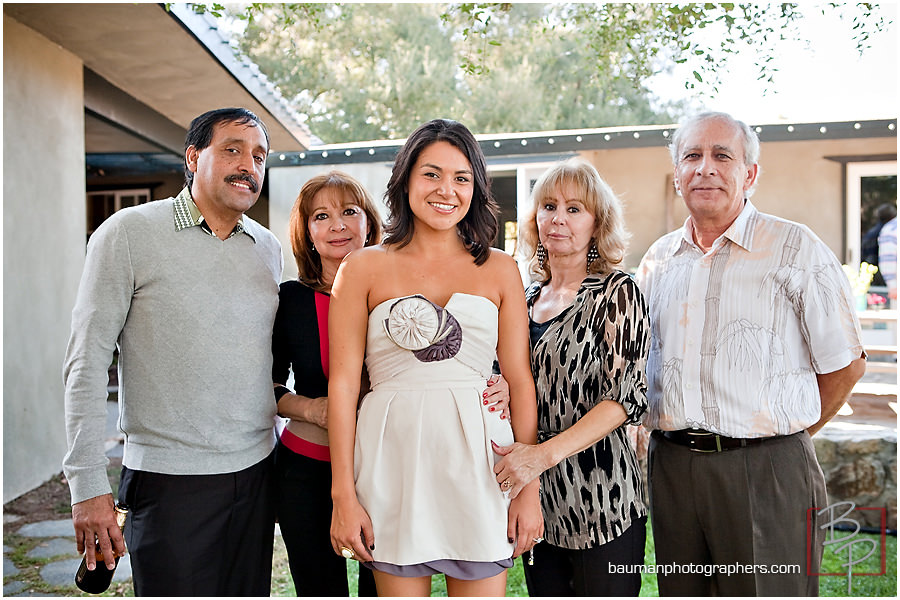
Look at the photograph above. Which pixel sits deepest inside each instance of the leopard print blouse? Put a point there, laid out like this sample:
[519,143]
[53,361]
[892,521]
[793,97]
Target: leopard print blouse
[595,349]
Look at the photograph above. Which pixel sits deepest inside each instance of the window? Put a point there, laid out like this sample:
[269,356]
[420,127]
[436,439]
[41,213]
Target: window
[869,185]
[101,205]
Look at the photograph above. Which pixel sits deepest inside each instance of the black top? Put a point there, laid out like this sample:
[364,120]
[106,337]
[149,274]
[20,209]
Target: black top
[295,341]
[536,330]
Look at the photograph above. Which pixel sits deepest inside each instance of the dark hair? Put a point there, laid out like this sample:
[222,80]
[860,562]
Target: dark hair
[479,227]
[200,133]
[886,212]
[309,263]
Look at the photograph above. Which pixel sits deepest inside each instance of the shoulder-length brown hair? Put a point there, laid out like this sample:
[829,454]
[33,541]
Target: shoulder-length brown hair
[478,229]
[309,263]
[609,235]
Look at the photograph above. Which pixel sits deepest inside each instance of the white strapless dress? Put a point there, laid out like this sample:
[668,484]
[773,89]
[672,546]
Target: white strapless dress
[423,458]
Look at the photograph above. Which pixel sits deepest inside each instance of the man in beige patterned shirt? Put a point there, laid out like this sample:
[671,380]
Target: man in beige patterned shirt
[755,345]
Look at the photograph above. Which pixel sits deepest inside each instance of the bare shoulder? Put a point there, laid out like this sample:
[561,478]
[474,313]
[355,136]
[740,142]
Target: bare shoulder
[500,259]
[502,269]
[369,253]
[364,259]
[501,264]
[360,269]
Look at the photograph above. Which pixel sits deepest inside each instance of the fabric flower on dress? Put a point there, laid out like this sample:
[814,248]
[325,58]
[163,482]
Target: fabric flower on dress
[430,332]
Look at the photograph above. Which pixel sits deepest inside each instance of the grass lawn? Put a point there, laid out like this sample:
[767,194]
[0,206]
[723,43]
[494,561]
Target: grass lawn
[867,579]
[282,584]
[835,558]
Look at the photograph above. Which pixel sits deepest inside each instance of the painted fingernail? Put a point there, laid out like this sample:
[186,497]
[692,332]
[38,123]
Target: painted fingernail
[491,409]
[502,416]
[485,402]
[484,395]
[510,540]
[372,547]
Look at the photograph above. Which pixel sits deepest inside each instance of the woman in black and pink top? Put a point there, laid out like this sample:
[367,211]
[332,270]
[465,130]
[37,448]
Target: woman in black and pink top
[333,215]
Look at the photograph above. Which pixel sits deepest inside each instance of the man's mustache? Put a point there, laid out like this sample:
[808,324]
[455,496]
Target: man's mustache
[254,185]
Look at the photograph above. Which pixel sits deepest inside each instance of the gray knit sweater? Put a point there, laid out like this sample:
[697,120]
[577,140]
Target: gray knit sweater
[192,316]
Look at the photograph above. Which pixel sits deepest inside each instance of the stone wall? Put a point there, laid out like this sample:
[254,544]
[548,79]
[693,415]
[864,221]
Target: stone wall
[860,465]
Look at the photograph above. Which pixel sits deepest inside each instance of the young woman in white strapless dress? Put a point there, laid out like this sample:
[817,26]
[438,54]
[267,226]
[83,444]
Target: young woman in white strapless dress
[428,311]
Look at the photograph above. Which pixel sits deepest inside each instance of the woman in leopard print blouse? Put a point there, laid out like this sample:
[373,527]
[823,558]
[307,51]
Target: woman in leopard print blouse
[589,339]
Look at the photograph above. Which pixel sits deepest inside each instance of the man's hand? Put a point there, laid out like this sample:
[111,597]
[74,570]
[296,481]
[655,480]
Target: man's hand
[95,521]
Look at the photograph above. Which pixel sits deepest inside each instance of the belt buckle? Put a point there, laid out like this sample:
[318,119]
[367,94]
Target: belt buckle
[693,448]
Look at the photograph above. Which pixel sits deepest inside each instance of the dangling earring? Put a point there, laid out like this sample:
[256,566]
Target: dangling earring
[592,254]
[541,255]
[312,248]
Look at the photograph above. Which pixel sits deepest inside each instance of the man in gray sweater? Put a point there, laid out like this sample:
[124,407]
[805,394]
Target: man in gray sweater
[187,289]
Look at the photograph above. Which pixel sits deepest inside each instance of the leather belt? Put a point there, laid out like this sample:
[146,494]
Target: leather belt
[699,440]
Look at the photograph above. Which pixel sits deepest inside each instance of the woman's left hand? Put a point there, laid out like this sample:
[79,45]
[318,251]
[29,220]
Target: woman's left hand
[521,464]
[526,523]
[496,396]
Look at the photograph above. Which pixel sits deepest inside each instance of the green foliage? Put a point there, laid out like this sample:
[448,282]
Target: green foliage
[376,71]
[649,584]
[288,12]
[475,23]
[637,40]
[368,74]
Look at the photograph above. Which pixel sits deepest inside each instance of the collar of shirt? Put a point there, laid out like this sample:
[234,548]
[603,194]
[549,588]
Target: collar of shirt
[740,232]
[187,214]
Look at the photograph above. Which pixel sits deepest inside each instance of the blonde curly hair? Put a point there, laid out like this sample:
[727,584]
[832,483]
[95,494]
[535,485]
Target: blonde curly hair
[610,235]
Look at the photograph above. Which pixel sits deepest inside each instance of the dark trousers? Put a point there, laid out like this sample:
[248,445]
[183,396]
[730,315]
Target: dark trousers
[746,508]
[563,572]
[200,535]
[303,501]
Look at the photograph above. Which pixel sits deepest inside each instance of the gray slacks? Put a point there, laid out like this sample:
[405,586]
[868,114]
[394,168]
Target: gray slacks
[722,522]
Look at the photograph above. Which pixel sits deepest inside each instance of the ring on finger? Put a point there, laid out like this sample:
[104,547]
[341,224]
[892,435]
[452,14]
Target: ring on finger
[506,484]
[537,540]
[347,553]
